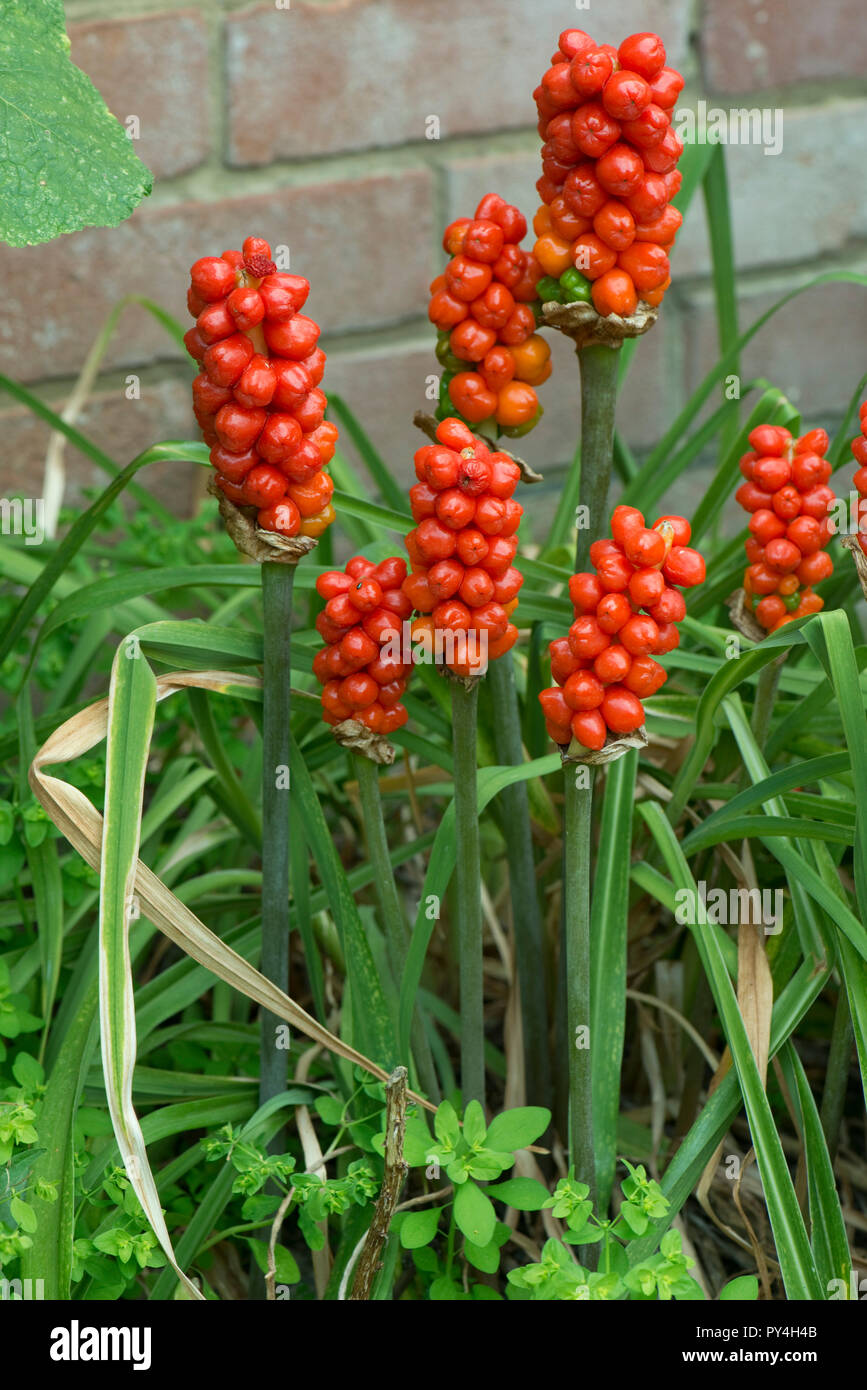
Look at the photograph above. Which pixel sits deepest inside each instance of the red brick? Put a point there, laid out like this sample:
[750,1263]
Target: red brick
[750,44]
[156,68]
[348,238]
[122,429]
[812,349]
[362,74]
[807,201]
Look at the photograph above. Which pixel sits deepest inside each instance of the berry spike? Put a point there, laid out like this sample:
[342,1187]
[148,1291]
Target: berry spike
[786,492]
[361,668]
[485,308]
[257,398]
[464,583]
[606,225]
[626,615]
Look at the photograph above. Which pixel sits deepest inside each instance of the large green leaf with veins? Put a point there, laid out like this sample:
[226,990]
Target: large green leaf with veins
[65,161]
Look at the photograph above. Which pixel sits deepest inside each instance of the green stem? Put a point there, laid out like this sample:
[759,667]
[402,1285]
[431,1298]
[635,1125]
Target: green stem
[468,894]
[837,1074]
[526,914]
[277,584]
[393,917]
[766,696]
[577,822]
[598,366]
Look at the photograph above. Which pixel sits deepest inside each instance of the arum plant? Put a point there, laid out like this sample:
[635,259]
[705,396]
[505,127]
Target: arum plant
[462,552]
[257,401]
[626,613]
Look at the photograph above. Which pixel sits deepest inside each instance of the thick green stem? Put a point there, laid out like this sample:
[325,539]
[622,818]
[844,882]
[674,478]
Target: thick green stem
[837,1074]
[598,365]
[393,917]
[277,582]
[468,892]
[766,695]
[526,915]
[577,821]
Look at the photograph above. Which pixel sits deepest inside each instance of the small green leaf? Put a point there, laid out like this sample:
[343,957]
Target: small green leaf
[745,1288]
[474,1123]
[483,1257]
[23,1214]
[27,1071]
[329,1109]
[515,1129]
[474,1214]
[418,1228]
[524,1194]
[286,1270]
[446,1125]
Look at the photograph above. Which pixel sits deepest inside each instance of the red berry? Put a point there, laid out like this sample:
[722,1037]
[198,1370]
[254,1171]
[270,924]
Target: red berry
[280,436]
[246,308]
[589,729]
[283,517]
[238,427]
[684,566]
[625,95]
[225,361]
[644,54]
[264,485]
[257,382]
[294,338]
[212,278]
[621,710]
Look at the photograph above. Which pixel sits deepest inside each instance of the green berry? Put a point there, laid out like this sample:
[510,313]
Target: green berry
[548,289]
[575,287]
[515,431]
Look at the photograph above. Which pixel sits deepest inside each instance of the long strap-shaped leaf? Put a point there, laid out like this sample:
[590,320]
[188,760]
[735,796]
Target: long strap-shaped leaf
[131,708]
[111,846]
[797,1264]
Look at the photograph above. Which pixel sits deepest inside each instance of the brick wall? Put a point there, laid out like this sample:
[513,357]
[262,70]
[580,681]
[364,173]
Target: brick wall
[309,124]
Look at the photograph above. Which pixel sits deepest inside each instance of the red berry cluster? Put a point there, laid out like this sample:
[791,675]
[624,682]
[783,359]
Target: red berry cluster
[463,547]
[257,397]
[608,167]
[859,449]
[365,610]
[605,666]
[787,491]
[480,305]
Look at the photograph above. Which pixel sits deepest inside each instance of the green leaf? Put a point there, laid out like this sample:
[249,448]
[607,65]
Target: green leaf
[483,1257]
[418,1228]
[27,1071]
[65,161]
[474,1123]
[515,1129]
[132,703]
[797,1264]
[474,1214]
[23,1214]
[745,1288]
[446,1127]
[524,1194]
[287,1271]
